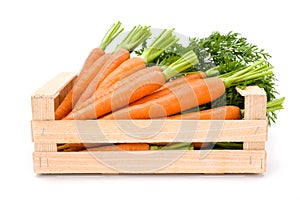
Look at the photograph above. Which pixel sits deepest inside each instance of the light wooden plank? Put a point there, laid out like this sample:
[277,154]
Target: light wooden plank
[43,109]
[255,109]
[153,162]
[54,86]
[254,145]
[100,131]
[45,147]
[251,91]
[43,100]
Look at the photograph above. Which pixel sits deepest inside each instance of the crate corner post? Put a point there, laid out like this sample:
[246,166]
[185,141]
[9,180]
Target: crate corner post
[44,102]
[255,109]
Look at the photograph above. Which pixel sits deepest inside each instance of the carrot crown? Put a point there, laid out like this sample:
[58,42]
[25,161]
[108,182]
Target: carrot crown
[162,42]
[111,34]
[134,38]
[259,70]
[186,61]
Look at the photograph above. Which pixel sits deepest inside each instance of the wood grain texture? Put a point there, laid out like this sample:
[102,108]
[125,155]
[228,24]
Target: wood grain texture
[158,162]
[255,109]
[43,101]
[251,91]
[63,93]
[45,147]
[47,132]
[123,131]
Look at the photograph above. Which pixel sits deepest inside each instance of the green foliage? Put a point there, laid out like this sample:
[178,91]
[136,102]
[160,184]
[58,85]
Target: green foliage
[232,52]
[220,54]
[232,47]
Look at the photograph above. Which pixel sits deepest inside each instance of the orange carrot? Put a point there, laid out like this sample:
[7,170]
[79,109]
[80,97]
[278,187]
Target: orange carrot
[76,146]
[90,68]
[86,78]
[168,87]
[192,93]
[127,68]
[173,83]
[134,88]
[66,106]
[219,113]
[199,144]
[122,52]
[95,54]
[115,61]
[127,90]
[122,147]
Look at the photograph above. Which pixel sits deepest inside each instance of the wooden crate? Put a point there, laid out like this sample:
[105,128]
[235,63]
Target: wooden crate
[48,132]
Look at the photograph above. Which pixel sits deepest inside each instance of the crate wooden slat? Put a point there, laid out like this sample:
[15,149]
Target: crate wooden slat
[228,161]
[48,132]
[99,131]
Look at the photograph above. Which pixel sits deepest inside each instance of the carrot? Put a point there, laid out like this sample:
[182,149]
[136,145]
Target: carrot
[84,80]
[94,55]
[88,72]
[122,147]
[136,86]
[197,92]
[122,52]
[66,106]
[76,146]
[168,87]
[133,88]
[194,92]
[219,113]
[115,61]
[127,68]
[199,144]
[128,90]
[162,42]
[178,81]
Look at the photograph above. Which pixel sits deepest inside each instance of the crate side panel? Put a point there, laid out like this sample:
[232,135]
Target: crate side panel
[225,161]
[67,131]
[43,101]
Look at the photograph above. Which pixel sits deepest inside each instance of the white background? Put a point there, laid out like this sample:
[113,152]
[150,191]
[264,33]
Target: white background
[39,39]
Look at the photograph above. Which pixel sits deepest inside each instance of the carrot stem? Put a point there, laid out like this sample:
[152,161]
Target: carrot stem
[186,61]
[177,146]
[255,71]
[134,38]
[111,34]
[276,104]
[162,42]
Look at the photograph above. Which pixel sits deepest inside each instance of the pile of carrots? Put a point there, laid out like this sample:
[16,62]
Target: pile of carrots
[117,85]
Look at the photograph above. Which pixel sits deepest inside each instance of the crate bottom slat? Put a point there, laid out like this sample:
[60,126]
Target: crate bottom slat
[150,162]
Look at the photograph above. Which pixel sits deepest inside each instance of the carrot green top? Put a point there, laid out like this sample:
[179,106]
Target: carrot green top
[184,62]
[111,34]
[162,42]
[134,38]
